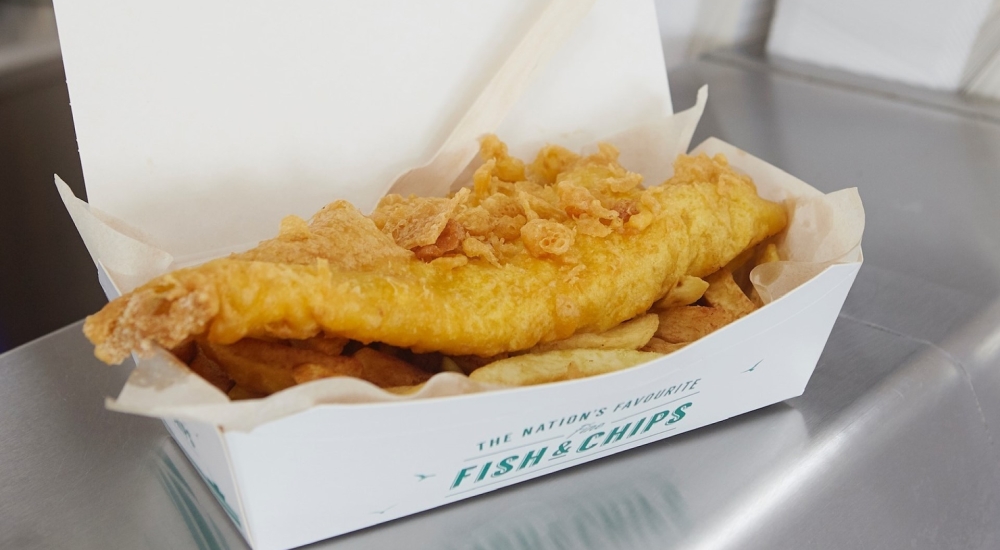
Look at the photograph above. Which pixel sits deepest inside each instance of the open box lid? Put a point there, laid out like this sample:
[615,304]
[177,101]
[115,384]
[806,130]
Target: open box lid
[202,124]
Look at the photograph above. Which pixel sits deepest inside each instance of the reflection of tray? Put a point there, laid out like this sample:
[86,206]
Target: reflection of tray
[887,444]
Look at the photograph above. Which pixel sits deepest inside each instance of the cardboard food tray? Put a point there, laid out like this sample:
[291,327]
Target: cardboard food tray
[177,140]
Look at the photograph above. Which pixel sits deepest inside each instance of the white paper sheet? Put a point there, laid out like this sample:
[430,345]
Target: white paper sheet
[203,122]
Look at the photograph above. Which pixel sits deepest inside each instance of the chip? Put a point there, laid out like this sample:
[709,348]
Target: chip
[629,335]
[404,390]
[767,254]
[386,371]
[723,293]
[741,260]
[239,393]
[686,324]
[449,365]
[185,352]
[308,372]
[469,363]
[267,367]
[658,345]
[688,290]
[330,345]
[554,366]
[210,371]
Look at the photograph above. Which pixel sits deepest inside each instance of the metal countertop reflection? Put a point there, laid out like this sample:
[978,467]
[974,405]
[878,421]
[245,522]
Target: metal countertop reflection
[893,444]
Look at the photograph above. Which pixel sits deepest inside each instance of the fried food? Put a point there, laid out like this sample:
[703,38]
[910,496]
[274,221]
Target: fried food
[768,254]
[268,367]
[629,335]
[263,366]
[404,390]
[386,371]
[723,293]
[686,291]
[204,367]
[658,345]
[526,256]
[239,393]
[556,366]
[329,346]
[724,302]
[686,324]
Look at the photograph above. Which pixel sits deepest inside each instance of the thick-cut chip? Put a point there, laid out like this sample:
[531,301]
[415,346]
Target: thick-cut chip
[686,324]
[385,371]
[239,393]
[428,362]
[330,345]
[742,260]
[469,363]
[765,254]
[725,294]
[768,254]
[555,366]
[308,372]
[658,345]
[740,268]
[267,367]
[687,291]
[629,335]
[449,365]
[186,352]
[404,390]
[210,371]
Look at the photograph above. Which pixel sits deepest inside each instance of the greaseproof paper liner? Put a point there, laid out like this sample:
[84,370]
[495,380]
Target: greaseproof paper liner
[125,253]
[823,230]
[556,22]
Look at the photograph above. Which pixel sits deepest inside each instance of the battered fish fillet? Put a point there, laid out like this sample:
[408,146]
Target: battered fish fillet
[527,255]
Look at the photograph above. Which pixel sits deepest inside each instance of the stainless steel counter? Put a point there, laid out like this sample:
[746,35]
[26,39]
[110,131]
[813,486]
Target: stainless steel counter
[893,445]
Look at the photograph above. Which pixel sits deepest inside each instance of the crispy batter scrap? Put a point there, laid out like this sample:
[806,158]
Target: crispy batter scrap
[543,237]
[510,208]
[507,168]
[449,240]
[415,223]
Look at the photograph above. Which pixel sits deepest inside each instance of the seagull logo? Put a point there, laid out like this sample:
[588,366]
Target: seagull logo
[754,366]
[421,477]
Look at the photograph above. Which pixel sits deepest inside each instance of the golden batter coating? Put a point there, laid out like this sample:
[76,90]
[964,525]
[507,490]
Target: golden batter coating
[527,255]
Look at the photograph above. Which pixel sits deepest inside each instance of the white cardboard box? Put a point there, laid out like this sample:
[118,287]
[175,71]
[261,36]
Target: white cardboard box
[171,165]
[338,468]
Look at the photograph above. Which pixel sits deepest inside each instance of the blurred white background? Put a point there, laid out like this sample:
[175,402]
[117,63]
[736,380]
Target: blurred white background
[948,45]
